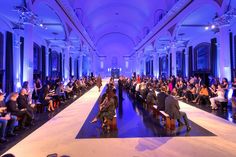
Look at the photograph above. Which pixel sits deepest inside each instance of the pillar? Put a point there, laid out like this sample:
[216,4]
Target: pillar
[224,53]
[156,64]
[28,67]
[72,65]
[173,59]
[80,64]
[137,60]
[16,60]
[66,63]
[47,61]
[186,54]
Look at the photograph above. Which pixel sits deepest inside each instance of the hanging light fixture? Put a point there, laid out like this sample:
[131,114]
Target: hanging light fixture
[26,16]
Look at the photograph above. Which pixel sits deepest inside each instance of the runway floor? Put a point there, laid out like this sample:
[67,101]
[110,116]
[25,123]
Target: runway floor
[70,133]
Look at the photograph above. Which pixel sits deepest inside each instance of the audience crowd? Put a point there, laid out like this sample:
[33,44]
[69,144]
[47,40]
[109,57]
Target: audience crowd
[164,91]
[17,110]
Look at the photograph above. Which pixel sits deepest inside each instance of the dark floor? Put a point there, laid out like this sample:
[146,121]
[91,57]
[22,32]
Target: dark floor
[134,121]
[40,119]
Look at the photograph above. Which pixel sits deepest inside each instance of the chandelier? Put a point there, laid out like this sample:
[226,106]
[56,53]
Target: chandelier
[26,16]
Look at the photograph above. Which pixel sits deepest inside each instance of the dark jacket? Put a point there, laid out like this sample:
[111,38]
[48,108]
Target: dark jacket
[12,106]
[151,98]
[161,97]
[22,102]
[172,107]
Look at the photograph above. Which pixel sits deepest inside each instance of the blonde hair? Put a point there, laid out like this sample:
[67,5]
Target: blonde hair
[11,95]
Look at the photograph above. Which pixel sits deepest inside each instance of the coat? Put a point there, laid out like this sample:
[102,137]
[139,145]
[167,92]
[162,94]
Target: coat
[172,107]
[161,97]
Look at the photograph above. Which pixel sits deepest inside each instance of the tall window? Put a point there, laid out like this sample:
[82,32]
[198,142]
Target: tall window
[202,57]
[164,66]
[180,63]
[54,63]
[37,61]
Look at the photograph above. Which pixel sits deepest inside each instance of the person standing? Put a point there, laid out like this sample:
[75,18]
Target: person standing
[99,82]
[120,87]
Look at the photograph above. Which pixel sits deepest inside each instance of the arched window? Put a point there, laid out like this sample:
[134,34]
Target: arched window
[158,15]
[163,66]
[37,61]
[180,63]
[202,57]
[54,63]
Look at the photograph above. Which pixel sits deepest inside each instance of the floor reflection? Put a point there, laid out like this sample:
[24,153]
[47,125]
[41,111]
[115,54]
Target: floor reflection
[134,121]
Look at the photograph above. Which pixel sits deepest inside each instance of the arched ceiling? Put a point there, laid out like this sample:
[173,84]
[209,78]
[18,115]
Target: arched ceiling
[113,17]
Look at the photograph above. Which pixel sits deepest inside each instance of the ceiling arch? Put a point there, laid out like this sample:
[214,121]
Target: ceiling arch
[127,17]
[56,27]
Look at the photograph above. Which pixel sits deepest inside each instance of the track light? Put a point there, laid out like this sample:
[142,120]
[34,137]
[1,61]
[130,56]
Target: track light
[206,28]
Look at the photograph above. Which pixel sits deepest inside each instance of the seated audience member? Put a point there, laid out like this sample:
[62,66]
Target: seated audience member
[28,93]
[6,120]
[23,102]
[213,90]
[45,99]
[106,109]
[234,99]
[174,92]
[69,90]
[225,84]
[11,105]
[151,98]
[219,97]
[173,110]
[115,97]
[60,91]
[161,97]
[189,92]
[203,95]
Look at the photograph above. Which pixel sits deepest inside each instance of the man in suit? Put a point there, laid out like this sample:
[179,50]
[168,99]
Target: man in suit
[11,105]
[151,98]
[23,102]
[172,108]
[161,97]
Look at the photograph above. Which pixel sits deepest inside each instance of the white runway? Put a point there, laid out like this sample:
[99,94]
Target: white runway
[58,136]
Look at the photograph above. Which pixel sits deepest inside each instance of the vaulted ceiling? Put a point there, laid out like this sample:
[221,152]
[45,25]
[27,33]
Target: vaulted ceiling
[118,25]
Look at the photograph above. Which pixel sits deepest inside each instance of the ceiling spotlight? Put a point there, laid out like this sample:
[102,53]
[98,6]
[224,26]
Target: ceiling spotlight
[206,28]
[213,26]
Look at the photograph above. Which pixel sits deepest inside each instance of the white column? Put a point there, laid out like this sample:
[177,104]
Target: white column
[168,62]
[186,54]
[72,65]
[137,60]
[224,53]
[144,66]
[66,63]
[156,64]
[47,61]
[80,64]
[16,61]
[173,59]
[28,67]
